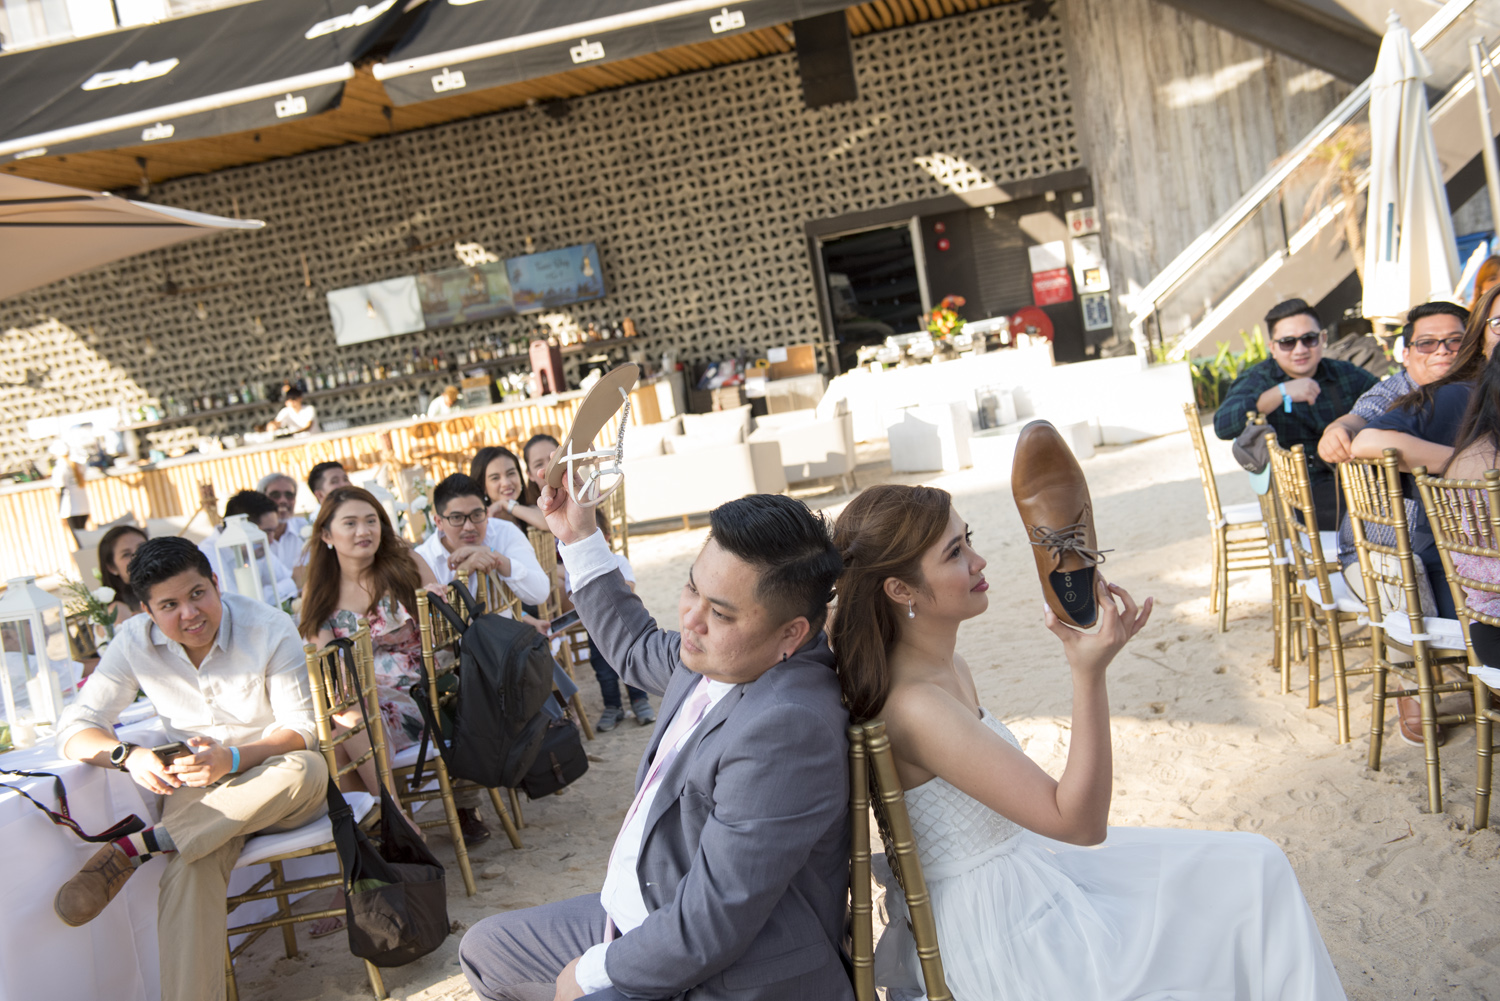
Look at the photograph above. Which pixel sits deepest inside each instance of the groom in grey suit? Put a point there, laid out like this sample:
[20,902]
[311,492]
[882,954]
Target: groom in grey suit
[729,877]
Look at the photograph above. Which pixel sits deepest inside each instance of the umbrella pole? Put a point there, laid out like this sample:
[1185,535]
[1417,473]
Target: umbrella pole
[1479,50]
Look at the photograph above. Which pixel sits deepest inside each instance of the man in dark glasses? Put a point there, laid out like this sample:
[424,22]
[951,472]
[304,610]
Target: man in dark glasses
[1300,392]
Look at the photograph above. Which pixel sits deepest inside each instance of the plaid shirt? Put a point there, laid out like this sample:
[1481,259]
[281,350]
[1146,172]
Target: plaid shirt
[1341,383]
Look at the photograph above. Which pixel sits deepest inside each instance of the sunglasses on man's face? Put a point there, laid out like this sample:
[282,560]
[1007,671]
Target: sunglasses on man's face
[1306,340]
[1449,344]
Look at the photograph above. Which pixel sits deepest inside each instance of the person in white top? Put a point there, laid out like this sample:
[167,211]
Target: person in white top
[228,676]
[286,538]
[469,541]
[260,510]
[68,478]
[444,404]
[298,417]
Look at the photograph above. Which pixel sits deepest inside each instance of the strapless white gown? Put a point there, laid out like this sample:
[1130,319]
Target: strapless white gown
[1150,914]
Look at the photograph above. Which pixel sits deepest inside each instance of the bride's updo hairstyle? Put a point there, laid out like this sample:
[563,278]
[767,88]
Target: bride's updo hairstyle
[883,533]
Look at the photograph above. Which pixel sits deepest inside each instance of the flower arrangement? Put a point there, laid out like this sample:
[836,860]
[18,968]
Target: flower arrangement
[95,603]
[944,322]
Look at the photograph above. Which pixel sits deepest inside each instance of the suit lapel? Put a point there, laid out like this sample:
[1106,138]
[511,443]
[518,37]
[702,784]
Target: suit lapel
[683,681]
[675,777]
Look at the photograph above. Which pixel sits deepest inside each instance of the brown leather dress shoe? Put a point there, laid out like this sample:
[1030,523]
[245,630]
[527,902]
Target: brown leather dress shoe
[1053,498]
[82,898]
[1409,722]
[474,831]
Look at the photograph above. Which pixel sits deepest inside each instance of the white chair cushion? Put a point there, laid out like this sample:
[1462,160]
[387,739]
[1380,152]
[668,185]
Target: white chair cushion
[407,756]
[1446,634]
[1343,599]
[1489,675]
[1242,514]
[319,832]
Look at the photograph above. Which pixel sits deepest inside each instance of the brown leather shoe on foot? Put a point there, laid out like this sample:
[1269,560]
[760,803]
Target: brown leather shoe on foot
[474,831]
[82,898]
[1053,498]
[1409,722]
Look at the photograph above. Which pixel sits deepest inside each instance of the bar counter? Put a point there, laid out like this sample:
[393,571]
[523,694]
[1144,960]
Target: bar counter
[34,541]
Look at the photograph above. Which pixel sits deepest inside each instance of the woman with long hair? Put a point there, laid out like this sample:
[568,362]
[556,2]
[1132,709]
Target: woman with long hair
[116,550]
[1487,278]
[1023,913]
[1476,451]
[510,497]
[358,567]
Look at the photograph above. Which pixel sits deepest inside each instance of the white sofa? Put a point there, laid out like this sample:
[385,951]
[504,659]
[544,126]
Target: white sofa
[812,446]
[695,462]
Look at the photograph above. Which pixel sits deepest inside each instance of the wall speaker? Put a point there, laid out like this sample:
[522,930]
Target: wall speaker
[825,60]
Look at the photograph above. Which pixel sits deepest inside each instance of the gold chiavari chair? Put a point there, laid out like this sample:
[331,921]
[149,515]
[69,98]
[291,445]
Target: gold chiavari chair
[438,634]
[1238,533]
[1327,602]
[1465,519]
[873,769]
[614,516]
[544,544]
[1378,517]
[333,693]
[1287,619]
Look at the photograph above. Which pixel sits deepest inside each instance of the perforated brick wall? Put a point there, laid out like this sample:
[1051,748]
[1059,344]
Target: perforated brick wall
[695,188]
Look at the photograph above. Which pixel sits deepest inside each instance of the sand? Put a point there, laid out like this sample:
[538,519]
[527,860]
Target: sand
[1406,900]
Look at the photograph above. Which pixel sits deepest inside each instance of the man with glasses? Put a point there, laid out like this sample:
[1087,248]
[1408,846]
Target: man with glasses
[469,541]
[1433,333]
[286,538]
[1300,392]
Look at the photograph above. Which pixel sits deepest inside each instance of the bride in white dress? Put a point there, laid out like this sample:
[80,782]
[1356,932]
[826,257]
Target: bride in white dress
[1035,898]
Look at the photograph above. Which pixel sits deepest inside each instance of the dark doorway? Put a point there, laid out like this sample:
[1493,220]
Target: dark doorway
[874,288]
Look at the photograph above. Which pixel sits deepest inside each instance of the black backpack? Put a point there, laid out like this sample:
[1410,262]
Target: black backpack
[505,676]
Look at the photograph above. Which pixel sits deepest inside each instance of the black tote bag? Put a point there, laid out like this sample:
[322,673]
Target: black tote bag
[395,896]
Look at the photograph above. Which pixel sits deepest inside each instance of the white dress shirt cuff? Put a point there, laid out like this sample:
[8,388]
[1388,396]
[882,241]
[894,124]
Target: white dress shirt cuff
[590,972]
[588,559]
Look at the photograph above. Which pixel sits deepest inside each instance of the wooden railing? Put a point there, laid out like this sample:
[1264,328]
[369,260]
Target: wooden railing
[33,540]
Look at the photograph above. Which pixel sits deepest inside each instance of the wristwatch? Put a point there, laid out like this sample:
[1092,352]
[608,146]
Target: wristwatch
[1286,398]
[510,507]
[121,754]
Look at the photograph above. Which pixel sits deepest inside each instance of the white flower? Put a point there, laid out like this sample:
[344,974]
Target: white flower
[419,503]
[104,595]
[297,605]
[97,574]
[399,505]
[305,531]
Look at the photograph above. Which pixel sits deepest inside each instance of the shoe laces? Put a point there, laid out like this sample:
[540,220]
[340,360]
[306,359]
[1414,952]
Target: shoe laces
[1069,539]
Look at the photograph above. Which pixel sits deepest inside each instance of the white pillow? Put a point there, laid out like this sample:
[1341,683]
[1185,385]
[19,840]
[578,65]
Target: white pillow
[685,444]
[643,441]
[719,424]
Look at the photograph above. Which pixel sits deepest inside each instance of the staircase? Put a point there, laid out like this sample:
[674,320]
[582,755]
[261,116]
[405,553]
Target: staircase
[1262,251]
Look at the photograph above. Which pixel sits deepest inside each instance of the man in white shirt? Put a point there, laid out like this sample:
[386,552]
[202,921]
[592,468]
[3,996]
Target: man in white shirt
[469,541]
[729,878]
[228,677]
[326,477]
[286,539]
[260,510]
[444,403]
[298,417]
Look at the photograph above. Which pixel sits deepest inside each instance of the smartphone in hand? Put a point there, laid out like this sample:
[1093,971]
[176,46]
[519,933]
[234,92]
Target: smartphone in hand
[167,752]
[563,623]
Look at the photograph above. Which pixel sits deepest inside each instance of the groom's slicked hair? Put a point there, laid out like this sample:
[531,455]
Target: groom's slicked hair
[791,549]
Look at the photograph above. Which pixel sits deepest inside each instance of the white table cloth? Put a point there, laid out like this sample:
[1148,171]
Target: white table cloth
[114,956]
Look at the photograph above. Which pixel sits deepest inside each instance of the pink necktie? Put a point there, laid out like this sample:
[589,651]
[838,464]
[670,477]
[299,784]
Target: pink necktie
[694,707]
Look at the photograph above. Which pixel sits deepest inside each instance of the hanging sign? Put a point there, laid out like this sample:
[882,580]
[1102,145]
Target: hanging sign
[1088,264]
[1082,222]
[1048,256]
[1051,287]
[1096,311]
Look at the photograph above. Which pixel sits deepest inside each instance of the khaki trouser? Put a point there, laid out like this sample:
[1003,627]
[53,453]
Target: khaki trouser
[209,827]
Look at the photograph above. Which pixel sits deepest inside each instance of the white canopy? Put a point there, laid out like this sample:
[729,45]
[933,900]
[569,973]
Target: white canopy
[1410,253]
[49,231]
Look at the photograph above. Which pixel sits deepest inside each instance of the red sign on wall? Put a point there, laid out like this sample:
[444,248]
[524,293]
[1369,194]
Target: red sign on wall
[1051,287]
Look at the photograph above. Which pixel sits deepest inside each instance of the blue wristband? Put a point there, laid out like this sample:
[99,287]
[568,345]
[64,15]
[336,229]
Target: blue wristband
[234,760]
[1286,399]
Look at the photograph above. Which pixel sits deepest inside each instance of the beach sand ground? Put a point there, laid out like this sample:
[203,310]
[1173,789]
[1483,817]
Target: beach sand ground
[1407,901]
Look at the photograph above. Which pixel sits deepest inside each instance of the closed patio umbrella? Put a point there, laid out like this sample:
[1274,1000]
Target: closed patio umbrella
[50,231]
[1410,253]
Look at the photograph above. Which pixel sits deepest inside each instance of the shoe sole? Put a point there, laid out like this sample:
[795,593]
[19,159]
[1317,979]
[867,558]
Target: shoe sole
[593,413]
[1083,610]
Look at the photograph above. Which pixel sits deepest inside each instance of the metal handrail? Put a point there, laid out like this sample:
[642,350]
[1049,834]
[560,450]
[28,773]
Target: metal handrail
[1241,212]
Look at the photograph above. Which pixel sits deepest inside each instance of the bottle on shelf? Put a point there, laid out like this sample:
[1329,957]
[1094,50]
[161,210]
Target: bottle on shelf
[365,375]
[411,362]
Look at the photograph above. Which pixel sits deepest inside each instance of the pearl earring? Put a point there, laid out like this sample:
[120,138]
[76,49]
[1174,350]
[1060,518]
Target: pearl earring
[911,611]
[328,544]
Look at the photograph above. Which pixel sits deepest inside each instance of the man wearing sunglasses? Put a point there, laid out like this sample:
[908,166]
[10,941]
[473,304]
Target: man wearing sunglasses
[1300,392]
[286,539]
[1433,333]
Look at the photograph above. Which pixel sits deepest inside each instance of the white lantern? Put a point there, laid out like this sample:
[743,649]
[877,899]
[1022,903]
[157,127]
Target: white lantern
[34,638]
[244,560]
